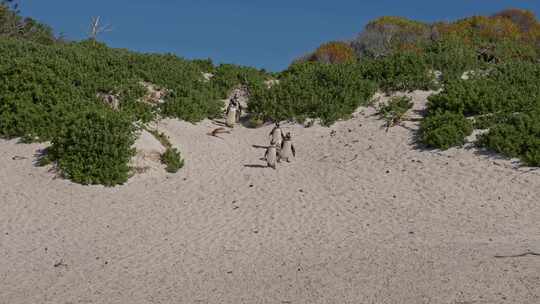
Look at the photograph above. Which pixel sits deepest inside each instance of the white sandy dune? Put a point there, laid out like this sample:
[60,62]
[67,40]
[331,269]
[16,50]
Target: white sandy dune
[360,216]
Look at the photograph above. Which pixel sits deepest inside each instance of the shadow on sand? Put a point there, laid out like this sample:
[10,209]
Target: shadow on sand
[255,166]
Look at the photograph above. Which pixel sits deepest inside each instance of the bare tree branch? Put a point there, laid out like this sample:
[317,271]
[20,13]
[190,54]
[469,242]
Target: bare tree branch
[96,28]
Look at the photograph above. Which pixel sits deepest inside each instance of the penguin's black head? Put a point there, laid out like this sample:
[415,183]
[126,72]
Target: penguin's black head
[277,124]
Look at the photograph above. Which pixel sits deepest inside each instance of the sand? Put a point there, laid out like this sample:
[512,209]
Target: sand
[360,216]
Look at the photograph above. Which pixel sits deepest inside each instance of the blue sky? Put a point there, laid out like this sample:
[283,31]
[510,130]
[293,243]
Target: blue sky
[266,34]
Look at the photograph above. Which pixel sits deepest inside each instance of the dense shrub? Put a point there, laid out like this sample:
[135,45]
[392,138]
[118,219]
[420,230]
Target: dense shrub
[404,71]
[444,130]
[518,136]
[194,106]
[510,87]
[504,99]
[452,57]
[14,26]
[313,90]
[44,88]
[94,148]
[228,76]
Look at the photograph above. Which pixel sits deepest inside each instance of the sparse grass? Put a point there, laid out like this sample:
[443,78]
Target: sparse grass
[171,157]
[394,111]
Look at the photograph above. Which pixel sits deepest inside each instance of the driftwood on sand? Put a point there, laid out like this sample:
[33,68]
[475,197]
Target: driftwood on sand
[217,131]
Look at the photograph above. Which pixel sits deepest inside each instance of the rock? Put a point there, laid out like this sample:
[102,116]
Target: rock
[475,73]
[271,82]
[155,94]
[110,99]
[207,76]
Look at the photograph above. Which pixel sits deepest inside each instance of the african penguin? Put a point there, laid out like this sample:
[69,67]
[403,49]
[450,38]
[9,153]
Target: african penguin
[287,148]
[271,156]
[231,115]
[277,135]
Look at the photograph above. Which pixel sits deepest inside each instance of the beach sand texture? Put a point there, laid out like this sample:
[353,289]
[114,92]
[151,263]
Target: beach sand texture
[360,216]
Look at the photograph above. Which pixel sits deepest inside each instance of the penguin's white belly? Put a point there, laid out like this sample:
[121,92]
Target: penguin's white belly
[276,137]
[286,151]
[271,158]
[231,117]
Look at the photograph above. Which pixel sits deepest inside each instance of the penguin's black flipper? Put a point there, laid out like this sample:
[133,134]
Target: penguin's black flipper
[293,151]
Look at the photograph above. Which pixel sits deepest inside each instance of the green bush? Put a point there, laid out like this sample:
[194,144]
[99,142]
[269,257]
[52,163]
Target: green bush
[452,57]
[14,26]
[406,71]
[519,136]
[172,159]
[45,88]
[506,88]
[445,130]
[228,76]
[313,90]
[504,99]
[94,148]
[194,106]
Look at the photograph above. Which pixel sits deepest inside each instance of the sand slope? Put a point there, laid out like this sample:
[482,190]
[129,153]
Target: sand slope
[360,217]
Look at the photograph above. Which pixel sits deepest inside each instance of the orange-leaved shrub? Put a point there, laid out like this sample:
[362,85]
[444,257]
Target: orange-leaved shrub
[334,52]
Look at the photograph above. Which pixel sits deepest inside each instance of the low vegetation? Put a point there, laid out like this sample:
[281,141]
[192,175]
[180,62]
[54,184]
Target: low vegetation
[313,90]
[394,111]
[444,130]
[171,157]
[94,148]
[505,100]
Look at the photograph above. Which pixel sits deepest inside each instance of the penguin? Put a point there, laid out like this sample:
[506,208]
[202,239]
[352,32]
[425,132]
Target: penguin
[271,156]
[235,100]
[287,149]
[238,112]
[231,114]
[277,135]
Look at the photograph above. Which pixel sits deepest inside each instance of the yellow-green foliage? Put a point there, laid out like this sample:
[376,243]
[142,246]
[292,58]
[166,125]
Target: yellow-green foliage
[485,28]
[513,24]
[524,19]
[398,24]
[334,52]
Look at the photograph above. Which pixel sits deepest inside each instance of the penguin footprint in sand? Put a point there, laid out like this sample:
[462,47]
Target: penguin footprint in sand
[287,149]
